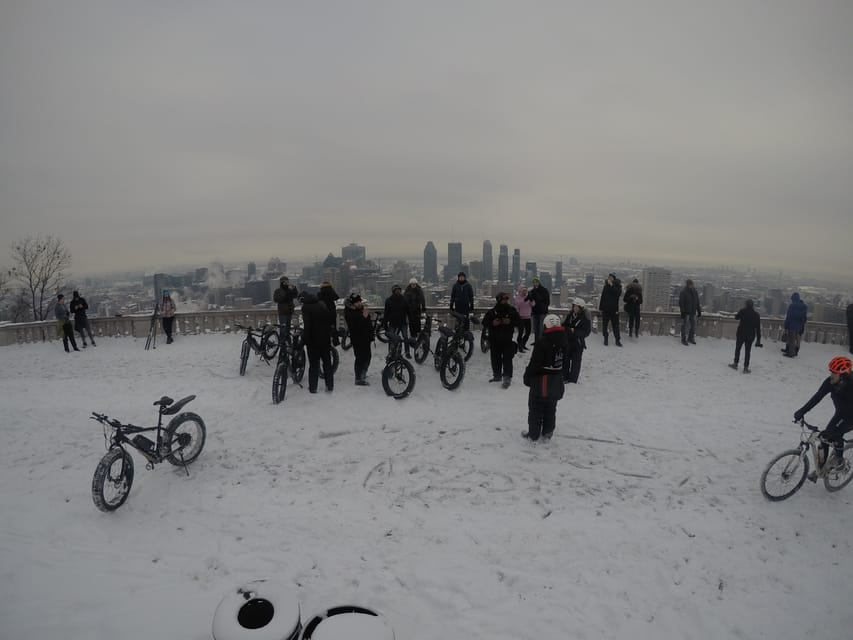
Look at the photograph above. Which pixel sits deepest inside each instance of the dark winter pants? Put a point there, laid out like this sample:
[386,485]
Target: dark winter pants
[538,321]
[850,336]
[634,321]
[747,344]
[541,417]
[362,359]
[572,364]
[167,327]
[524,332]
[501,355]
[414,325]
[688,327]
[68,334]
[611,318]
[83,326]
[284,325]
[315,356]
[792,343]
[834,433]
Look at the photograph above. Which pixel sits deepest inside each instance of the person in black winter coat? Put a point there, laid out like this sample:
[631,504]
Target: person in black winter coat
[360,328]
[502,319]
[577,326]
[840,388]
[540,298]
[327,295]
[414,296]
[395,318]
[63,318]
[462,297]
[688,305]
[748,329]
[633,300]
[285,299]
[78,308]
[544,376]
[609,307]
[317,337]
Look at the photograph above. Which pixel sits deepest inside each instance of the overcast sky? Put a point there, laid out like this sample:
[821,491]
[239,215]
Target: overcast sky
[152,133]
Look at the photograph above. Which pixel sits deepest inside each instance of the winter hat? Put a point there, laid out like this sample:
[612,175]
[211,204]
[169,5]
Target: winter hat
[635,281]
[749,303]
[461,273]
[354,298]
[75,294]
[284,279]
[551,322]
[413,281]
[611,275]
[59,296]
[536,280]
[500,296]
[579,302]
[396,287]
[165,292]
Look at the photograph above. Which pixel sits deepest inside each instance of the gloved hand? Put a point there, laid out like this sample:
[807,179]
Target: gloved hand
[798,415]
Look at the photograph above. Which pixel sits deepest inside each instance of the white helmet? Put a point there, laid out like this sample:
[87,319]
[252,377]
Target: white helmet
[579,302]
[551,321]
[413,281]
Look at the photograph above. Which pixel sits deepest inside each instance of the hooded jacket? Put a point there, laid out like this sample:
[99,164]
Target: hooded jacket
[360,326]
[540,298]
[610,295]
[284,297]
[544,372]
[414,296]
[688,301]
[462,297]
[633,296]
[502,319]
[795,319]
[577,328]
[749,326]
[316,317]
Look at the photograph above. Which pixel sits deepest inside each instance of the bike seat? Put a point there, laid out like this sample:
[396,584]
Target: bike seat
[165,401]
[177,406]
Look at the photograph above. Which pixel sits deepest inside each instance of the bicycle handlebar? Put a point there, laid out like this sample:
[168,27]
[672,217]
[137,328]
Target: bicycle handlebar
[802,422]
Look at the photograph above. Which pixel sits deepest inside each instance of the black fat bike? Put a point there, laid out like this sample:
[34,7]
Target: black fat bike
[179,443]
[398,376]
[263,341]
[422,341]
[453,348]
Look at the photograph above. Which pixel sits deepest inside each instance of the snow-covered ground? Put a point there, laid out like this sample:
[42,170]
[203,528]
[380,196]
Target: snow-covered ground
[642,519]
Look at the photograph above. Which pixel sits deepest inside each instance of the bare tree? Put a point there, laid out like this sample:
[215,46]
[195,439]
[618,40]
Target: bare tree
[39,265]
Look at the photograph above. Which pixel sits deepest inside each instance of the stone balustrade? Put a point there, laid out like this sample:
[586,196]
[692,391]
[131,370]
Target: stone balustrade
[197,322]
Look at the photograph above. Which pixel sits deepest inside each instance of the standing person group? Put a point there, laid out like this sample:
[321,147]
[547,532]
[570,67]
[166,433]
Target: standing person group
[540,299]
[609,307]
[63,320]
[633,300]
[688,305]
[167,313]
[78,309]
[795,325]
[748,329]
[502,320]
[360,327]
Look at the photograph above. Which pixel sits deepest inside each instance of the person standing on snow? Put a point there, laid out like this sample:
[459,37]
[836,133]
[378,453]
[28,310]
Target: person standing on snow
[544,376]
[748,329]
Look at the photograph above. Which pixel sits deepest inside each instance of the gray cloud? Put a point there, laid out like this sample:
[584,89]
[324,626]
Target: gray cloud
[658,131]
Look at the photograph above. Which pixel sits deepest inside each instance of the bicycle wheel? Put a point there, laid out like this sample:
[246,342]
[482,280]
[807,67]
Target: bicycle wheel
[279,382]
[398,379]
[297,366]
[112,480]
[484,341]
[440,348]
[452,371]
[185,436]
[466,345]
[244,357]
[421,349]
[784,476]
[379,331]
[838,478]
[346,342]
[271,345]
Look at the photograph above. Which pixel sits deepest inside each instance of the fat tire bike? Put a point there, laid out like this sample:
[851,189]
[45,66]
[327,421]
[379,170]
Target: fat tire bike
[787,472]
[449,353]
[398,376]
[263,341]
[179,443]
[291,364]
[422,341]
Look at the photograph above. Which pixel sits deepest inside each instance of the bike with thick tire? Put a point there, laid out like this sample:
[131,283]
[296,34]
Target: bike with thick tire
[398,376]
[263,341]
[787,472]
[179,443]
[422,341]
[291,364]
[450,351]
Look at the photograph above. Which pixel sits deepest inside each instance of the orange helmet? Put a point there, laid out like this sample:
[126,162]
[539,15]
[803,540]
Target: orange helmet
[840,365]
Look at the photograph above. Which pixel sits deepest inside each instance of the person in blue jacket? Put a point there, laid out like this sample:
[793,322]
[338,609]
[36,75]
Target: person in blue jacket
[795,324]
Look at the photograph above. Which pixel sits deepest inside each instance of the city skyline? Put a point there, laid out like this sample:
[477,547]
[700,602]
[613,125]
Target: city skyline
[713,134]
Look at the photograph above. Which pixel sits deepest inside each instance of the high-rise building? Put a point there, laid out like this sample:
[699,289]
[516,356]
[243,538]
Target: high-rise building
[516,266]
[251,270]
[530,271]
[656,288]
[454,259]
[503,264]
[558,275]
[355,253]
[487,260]
[430,263]
[589,282]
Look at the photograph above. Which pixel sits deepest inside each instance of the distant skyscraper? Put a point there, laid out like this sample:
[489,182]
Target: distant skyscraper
[516,266]
[251,270]
[503,264]
[487,260]
[454,259]
[589,282]
[530,270]
[558,276]
[656,288]
[430,263]
[354,252]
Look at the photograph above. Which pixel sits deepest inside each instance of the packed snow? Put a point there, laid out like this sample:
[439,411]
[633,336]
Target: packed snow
[643,518]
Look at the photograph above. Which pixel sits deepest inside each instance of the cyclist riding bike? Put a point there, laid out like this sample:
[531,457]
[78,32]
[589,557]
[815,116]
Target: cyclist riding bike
[840,388]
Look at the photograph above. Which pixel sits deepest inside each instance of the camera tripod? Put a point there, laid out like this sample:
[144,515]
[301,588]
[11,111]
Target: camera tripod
[151,342]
